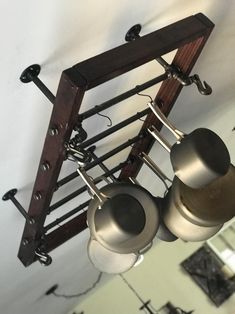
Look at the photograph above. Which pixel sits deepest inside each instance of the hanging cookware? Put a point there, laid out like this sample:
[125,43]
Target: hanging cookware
[163,232]
[108,261]
[177,216]
[122,217]
[197,158]
[212,204]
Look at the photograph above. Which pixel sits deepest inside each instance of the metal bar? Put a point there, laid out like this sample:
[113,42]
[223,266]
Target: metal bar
[102,165]
[68,230]
[115,128]
[84,188]
[43,88]
[22,210]
[109,103]
[101,159]
[66,216]
[10,195]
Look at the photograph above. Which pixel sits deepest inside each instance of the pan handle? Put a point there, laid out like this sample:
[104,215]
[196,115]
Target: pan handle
[157,135]
[102,198]
[151,164]
[159,114]
[134,180]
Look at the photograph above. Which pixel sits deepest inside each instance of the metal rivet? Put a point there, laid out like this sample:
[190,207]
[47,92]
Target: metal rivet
[31,221]
[37,196]
[45,166]
[25,242]
[53,131]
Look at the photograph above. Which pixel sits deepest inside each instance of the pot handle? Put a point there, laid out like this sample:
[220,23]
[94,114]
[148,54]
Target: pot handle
[159,114]
[151,164]
[102,198]
[134,181]
[157,135]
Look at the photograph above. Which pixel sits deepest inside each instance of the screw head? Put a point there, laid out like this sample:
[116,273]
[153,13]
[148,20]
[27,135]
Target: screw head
[45,166]
[53,131]
[37,196]
[31,221]
[25,242]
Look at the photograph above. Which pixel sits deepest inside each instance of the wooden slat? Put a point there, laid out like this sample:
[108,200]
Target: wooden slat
[119,60]
[64,114]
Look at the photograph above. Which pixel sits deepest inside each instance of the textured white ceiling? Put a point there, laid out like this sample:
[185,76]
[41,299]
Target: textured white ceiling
[57,34]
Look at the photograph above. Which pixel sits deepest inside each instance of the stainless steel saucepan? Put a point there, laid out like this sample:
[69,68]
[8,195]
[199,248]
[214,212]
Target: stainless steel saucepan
[176,212]
[211,205]
[122,217]
[197,158]
[182,226]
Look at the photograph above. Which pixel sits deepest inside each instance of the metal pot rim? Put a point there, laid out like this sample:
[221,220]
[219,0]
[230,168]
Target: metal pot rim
[125,261]
[140,241]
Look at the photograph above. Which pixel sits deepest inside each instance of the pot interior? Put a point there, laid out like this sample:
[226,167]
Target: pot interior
[120,218]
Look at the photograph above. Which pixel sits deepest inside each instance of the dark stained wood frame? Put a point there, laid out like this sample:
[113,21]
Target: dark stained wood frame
[188,36]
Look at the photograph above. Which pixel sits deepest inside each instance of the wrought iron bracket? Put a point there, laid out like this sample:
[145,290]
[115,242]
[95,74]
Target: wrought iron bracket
[10,195]
[30,74]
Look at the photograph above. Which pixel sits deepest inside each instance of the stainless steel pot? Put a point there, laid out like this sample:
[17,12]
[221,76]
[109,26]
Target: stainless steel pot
[122,217]
[197,158]
[163,232]
[212,204]
[178,216]
[180,224]
[127,222]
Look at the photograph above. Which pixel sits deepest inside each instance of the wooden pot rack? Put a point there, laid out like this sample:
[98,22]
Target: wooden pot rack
[188,36]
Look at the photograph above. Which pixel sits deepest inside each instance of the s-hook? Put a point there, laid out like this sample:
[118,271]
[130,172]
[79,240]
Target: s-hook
[79,155]
[171,70]
[43,257]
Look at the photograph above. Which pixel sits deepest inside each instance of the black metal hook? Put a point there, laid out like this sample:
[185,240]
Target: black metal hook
[107,117]
[78,154]
[172,71]
[43,257]
[203,87]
